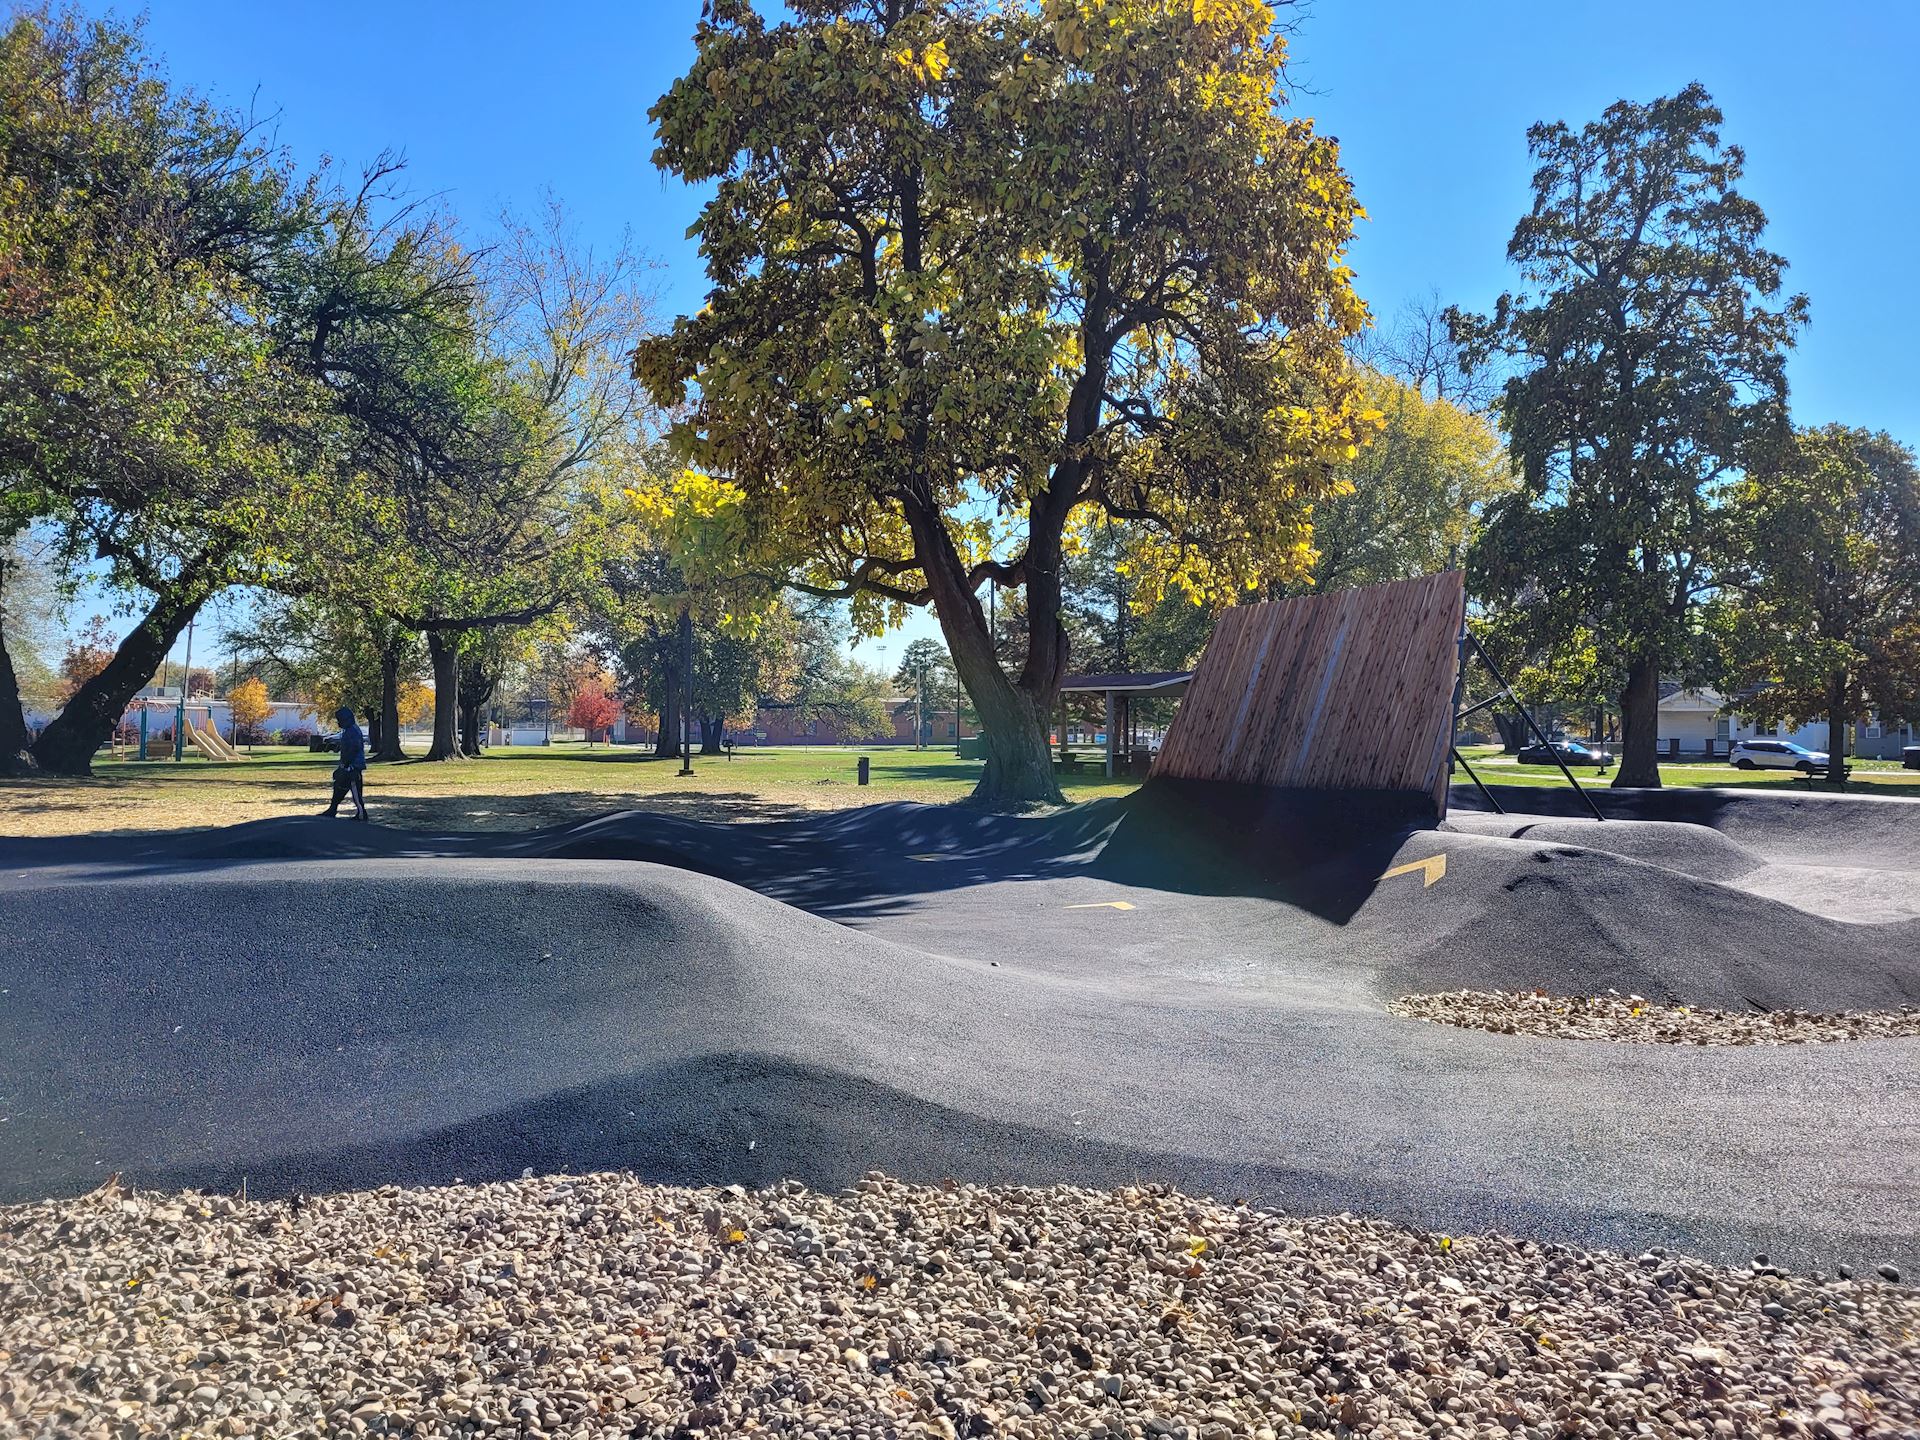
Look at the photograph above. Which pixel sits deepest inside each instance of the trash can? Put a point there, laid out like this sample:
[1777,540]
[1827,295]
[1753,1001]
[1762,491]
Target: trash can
[973,747]
[1910,757]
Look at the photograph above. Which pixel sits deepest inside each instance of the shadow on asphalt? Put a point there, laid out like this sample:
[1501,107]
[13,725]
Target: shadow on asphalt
[1323,853]
[856,864]
[754,1119]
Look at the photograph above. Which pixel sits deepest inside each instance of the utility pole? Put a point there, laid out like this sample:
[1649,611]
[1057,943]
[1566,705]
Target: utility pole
[686,689]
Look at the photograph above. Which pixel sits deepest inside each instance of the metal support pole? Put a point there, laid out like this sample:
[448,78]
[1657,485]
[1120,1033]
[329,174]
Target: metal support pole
[1110,728]
[1478,705]
[1527,715]
[686,690]
[1453,731]
[1485,794]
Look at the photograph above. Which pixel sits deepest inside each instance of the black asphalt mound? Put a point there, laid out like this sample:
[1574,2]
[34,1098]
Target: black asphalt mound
[1860,830]
[1575,920]
[1183,988]
[1669,844]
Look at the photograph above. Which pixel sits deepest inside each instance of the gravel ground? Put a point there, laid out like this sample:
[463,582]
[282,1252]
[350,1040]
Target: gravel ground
[1634,1018]
[601,1306]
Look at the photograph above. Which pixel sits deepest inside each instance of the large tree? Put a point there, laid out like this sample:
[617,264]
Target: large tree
[1412,500]
[1421,347]
[147,415]
[201,369]
[1652,350]
[502,528]
[1054,262]
[332,653]
[643,622]
[1823,624]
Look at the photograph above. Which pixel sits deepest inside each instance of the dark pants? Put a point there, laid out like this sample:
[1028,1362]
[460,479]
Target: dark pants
[348,782]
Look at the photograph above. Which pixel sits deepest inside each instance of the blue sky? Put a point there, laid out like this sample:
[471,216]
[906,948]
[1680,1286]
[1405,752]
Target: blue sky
[494,103]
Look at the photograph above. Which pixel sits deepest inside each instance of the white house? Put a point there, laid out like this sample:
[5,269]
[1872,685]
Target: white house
[1692,722]
[1697,722]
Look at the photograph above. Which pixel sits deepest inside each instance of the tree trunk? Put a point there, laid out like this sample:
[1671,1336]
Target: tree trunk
[67,745]
[667,744]
[712,727]
[470,727]
[1837,732]
[444,653]
[1640,725]
[476,689]
[1013,718]
[1512,730]
[16,756]
[386,730]
[1019,768]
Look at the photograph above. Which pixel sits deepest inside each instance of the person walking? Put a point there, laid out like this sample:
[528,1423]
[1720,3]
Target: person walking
[349,776]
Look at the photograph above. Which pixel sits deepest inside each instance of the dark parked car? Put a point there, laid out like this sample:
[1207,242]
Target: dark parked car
[321,743]
[1572,753]
[1910,757]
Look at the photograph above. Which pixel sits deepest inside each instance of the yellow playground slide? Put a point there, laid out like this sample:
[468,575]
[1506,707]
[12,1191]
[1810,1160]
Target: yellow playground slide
[210,743]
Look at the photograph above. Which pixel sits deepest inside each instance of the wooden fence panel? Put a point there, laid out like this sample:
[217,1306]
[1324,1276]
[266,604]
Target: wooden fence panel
[1348,690]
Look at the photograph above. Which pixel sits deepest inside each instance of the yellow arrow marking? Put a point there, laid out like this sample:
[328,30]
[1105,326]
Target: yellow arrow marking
[1434,866]
[1103,905]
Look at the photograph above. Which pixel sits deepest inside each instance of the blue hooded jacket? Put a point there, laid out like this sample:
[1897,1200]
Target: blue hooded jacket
[353,746]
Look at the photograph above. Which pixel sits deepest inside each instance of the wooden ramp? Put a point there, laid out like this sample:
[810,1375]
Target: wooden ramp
[1351,690]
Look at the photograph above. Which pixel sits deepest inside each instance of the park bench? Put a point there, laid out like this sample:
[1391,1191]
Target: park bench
[1807,778]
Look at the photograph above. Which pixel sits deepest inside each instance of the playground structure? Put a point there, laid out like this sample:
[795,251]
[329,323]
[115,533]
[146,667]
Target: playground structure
[137,729]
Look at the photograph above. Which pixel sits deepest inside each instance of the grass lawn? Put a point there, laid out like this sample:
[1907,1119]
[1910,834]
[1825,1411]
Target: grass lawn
[508,790]
[1870,777]
[530,787]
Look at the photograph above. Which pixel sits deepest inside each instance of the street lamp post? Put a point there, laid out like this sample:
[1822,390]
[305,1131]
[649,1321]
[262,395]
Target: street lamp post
[180,715]
[686,690]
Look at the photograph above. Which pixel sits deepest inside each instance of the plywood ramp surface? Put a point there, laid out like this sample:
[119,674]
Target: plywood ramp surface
[1350,690]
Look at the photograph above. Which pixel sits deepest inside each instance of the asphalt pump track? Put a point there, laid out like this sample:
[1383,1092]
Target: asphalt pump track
[1187,988]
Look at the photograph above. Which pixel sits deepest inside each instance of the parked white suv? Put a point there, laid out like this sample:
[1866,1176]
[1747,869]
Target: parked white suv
[1776,755]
